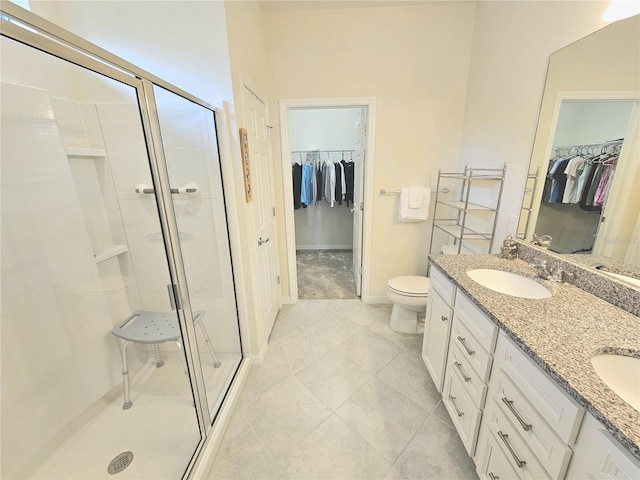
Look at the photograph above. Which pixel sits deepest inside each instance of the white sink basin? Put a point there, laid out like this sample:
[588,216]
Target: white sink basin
[508,283]
[621,374]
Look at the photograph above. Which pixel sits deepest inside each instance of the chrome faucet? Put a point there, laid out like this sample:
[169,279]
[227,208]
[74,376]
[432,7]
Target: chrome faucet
[543,241]
[553,274]
[509,249]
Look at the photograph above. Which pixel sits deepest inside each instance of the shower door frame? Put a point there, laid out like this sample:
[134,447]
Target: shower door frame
[33,31]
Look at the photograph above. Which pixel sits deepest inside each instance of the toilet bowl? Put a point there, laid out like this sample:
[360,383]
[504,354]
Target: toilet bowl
[409,296]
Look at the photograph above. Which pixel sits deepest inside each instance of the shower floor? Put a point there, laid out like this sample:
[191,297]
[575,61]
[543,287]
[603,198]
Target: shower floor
[160,429]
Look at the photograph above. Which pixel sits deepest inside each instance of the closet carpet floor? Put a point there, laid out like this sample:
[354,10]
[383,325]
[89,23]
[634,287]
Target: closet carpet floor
[325,274]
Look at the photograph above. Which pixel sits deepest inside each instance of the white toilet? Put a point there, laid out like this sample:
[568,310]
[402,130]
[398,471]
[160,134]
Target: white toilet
[409,296]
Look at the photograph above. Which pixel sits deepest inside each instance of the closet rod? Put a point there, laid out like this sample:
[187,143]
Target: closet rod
[582,145]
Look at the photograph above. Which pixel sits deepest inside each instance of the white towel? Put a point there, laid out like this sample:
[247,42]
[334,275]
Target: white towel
[415,197]
[407,214]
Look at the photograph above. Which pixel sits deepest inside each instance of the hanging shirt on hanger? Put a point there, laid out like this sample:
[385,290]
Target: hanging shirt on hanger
[559,181]
[320,193]
[572,170]
[330,183]
[603,187]
[296,172]
[338,183]
[306,190]
[349,178]
[314,185]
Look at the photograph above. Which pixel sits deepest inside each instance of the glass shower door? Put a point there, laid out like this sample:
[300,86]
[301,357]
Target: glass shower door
[84,279]
[189,142]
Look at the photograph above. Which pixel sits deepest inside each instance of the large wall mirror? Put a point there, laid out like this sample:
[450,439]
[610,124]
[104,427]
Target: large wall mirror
[583,187]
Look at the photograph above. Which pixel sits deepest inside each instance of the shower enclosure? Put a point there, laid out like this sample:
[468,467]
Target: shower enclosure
[113,217]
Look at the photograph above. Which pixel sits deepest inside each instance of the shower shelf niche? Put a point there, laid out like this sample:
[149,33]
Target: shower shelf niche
[111,252]
[86,152]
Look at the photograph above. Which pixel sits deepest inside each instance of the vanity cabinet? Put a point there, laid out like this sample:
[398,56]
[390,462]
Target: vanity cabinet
[471,344]
[528,418]
[438,326]
[598,456]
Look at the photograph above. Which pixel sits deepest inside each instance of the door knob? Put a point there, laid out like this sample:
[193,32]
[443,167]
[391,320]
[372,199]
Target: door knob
[262,241]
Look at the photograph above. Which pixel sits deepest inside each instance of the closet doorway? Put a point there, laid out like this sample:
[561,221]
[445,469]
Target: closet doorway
[326,149]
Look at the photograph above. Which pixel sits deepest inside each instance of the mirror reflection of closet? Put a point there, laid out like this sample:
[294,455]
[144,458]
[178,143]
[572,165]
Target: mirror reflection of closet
[587,142]
[323,229]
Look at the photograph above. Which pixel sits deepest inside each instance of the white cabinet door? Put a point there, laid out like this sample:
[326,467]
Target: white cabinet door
[436,337]
[597,456]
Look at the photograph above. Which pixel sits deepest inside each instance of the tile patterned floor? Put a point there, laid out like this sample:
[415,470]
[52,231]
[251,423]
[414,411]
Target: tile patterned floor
[340,396]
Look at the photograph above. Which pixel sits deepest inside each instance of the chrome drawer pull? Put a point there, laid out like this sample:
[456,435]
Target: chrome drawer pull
[509,403]
[505,439]
[444,318]
[464,344]
[492,476]
[459,366]
[453,402]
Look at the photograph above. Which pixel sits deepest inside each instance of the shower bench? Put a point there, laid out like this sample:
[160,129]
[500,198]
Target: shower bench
[147,327]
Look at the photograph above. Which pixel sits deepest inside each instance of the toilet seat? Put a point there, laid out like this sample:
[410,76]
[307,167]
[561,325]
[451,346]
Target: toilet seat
[409,286]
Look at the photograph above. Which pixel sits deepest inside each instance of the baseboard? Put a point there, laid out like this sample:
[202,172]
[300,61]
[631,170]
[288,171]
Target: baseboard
[259,359]
[324,247]
[285,301]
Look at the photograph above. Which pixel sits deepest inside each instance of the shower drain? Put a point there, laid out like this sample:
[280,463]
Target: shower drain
[122,461]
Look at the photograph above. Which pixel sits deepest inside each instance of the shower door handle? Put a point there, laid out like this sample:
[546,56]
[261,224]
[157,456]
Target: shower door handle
[261,241]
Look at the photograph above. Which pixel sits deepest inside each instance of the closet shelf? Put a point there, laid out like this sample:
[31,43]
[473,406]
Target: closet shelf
[86,152]
[111,252]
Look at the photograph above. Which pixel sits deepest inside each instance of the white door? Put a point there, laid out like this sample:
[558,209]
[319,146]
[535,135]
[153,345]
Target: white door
[358,196]
[256,122]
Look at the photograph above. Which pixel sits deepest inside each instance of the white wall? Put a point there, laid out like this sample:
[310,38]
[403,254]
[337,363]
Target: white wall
[592,122]
[182,42]
[414,60]
[512,42]
[323,128]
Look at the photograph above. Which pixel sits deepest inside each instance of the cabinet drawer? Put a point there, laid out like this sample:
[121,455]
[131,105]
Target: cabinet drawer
[483,329]
[472,383]
[553,453]
[442,284]
[520,457]
[491,462]
[551,403]
[475,353]
[436,337]
[463,413]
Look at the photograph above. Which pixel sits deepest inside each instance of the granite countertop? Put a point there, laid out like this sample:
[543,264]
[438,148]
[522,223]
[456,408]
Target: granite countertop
[561,334]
